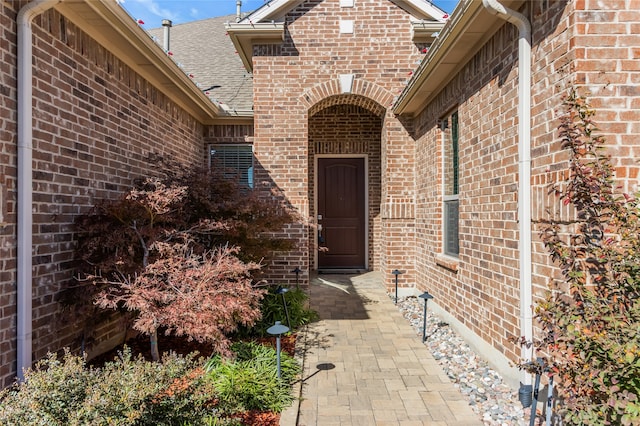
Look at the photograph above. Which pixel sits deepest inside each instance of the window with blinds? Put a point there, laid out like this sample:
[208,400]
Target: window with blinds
[451,240]
[233,161]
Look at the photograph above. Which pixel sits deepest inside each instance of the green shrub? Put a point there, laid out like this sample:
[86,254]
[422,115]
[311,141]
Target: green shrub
[250,382]
[273,310]
[126,391]
[50,394]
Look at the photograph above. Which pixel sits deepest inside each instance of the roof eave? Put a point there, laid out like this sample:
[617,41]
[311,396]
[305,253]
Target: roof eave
[272,10]
[245,35]
[468,28]
[422,10]
[111,26]
[240,117]
[426,31]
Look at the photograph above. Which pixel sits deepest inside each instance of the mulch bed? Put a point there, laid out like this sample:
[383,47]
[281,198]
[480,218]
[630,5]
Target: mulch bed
[139,345]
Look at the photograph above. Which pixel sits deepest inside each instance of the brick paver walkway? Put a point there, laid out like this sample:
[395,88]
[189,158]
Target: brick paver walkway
[364,364]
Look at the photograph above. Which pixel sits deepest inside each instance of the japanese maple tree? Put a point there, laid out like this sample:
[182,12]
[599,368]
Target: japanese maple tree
[178,253]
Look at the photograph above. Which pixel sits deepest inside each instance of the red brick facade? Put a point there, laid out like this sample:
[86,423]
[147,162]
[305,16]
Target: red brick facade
[579,44]
[301,112]
[95,122]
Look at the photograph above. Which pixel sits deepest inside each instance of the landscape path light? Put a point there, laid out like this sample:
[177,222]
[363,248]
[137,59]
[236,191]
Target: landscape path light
[281,291]
[396,273]
[426,296]
[277,330]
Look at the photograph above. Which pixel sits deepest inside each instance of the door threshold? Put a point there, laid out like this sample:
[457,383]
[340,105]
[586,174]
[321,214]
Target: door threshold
[346,271]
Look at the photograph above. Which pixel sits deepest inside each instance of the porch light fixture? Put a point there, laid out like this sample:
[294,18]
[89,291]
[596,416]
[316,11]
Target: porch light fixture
[277,330]
[426,296]
[281,291]
[396,273]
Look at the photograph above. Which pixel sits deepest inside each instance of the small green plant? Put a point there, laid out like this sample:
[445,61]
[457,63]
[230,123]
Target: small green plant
[591,323]
[273,310]
[249,382]
[265,356]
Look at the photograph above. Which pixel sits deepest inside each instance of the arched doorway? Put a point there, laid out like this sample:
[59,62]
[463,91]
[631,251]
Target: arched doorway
[345,134]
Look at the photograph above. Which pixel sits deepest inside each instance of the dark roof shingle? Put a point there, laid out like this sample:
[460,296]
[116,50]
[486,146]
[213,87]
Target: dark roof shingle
[204,50]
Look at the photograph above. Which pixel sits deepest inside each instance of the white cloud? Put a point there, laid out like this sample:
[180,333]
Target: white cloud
[152,6]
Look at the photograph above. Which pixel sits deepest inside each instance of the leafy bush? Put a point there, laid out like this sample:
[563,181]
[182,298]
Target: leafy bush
[126,391]
[250,382]
[591,324]
[51,393]
[273,310]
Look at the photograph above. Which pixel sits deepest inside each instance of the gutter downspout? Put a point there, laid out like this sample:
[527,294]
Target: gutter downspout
[524,184]
[25,181]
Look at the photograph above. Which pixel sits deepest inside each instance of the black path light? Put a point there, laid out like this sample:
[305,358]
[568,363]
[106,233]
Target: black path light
[297,272]
[281,291]
[277,330]
[396,273]
[426,296]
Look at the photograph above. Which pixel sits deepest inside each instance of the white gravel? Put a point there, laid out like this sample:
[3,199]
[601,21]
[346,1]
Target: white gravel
[494,401]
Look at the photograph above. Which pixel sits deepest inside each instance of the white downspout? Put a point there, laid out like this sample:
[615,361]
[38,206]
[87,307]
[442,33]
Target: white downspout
[524,184]
[24,180]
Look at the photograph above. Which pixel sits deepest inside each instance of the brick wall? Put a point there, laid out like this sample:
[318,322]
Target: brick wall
[595,50]
[7,197]
[586,44]
[95,122]
[481,288]
[290,80]
[607,46]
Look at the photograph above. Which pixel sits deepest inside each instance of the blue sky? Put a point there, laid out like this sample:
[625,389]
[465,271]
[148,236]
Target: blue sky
[152,12]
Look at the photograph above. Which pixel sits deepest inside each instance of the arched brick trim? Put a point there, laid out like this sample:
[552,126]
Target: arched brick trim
[363,93]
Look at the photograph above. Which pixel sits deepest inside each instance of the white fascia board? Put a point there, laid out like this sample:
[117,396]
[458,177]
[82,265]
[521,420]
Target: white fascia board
[422,10]
[244,34]
[273,10]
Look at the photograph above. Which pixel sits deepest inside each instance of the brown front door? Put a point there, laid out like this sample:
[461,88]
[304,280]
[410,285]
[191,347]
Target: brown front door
[341,213]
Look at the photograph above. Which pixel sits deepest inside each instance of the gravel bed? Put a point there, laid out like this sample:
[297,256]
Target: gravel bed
[494,401]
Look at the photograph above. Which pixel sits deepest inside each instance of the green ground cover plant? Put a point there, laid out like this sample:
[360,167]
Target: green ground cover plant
[129,391]
[272,309]
[249,380]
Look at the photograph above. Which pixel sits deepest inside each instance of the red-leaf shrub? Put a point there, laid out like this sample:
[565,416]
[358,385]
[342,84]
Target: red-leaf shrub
[591,322]
[181,253]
